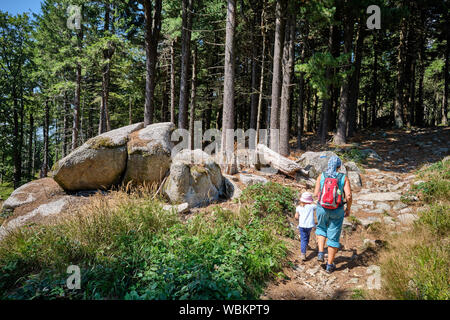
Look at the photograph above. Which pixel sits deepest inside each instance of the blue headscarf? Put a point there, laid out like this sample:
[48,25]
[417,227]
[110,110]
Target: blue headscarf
[333,164]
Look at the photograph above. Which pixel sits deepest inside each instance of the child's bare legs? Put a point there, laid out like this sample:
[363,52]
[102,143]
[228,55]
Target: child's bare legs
[321,243]
[331,254]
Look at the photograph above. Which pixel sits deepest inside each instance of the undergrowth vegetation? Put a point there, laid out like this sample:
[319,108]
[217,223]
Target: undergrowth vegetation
[128,247]
[416,263]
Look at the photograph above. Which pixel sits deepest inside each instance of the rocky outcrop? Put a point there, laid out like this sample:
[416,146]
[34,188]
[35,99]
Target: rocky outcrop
[314,163]
[37,190]
[379,196]
[232,190]
[194,178]
[149,154]
[355,179]
[35,202]
[97,164]
[250,179]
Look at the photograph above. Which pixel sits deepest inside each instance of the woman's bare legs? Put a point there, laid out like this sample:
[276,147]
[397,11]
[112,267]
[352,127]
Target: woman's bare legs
[331,254]
[321,243]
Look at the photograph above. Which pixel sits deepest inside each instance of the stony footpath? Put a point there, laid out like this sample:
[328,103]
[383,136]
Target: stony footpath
[382,205]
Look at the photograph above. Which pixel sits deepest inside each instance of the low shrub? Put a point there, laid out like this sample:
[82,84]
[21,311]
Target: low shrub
[127,247]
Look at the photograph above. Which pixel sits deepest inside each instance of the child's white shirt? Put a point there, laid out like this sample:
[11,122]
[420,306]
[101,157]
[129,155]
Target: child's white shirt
[306,215]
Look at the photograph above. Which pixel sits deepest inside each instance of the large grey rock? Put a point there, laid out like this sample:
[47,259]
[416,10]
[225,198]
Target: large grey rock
[379,196]
[149,154]
[42,211]
[193,181]
[383,206]
[249,179]
[30,192]
[371,154]
[97,164]
[365,222]
[355,179]
[399,205]
[232,190]
[181,208]
[315,162]
[352,166]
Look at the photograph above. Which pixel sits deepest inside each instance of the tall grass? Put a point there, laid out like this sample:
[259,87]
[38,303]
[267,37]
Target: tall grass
[416,263]
[128,247]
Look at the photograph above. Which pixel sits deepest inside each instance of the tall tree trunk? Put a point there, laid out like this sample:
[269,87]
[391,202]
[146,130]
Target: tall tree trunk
[172,83]
[399,101]
[130,110]
[326,103]
[77,97]
[301,93]
[185,53]
[44,169]
[340,137]
[152,31]
[288,65]
[446,77]
[76,111]
[419,112]
[254,84]
[355,80]
[30,147]
[16,151]
[228,88]
[375,80]
[65,125]
[261,76]
[276,75]
[193,98]
[104,121]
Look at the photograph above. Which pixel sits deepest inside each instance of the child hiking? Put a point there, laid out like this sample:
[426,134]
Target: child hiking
[331,189]
[305,215]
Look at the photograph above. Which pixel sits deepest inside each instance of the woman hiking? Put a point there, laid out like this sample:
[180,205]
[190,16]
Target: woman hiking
[331,187]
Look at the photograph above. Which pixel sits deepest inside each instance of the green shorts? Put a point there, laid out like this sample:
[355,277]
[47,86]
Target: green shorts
[329,225]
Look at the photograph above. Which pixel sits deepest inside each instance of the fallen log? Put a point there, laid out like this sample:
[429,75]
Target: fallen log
[267,156]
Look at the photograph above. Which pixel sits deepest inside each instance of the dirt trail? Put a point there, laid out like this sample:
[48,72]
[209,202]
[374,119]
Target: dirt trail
[402,152]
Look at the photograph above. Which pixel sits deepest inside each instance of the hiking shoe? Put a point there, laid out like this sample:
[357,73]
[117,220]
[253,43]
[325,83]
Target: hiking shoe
[331,267]
[320,256]
[303,257]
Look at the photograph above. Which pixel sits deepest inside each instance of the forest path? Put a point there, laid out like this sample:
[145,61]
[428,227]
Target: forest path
[402,153]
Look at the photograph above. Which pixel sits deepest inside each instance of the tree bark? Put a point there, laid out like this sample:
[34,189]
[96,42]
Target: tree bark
[288,65]
[193,98]
[326,103]
[398,107]
[44,169]
[185,53]
[172,83]
[276,75]
[228,88]
[340,137]
[261,76]
[446,76]
[356,79]
[152,31]
[30,147]
[104,121]
[301,93]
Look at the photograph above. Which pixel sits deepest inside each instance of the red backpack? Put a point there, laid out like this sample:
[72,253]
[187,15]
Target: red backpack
[331,197]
